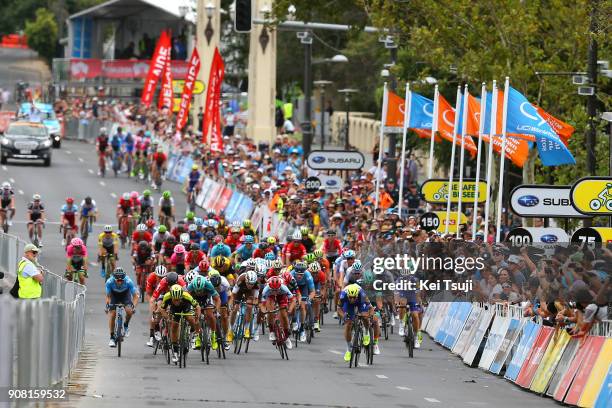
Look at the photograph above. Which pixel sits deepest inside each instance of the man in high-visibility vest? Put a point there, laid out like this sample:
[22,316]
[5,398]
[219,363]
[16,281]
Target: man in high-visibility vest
[29,274]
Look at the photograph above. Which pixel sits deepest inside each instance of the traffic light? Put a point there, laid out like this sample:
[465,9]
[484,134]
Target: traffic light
[243,21]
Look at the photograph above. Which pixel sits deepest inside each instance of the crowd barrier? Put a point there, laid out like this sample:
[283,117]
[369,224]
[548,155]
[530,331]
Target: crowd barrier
[41,338]
[86,129]
[545,360]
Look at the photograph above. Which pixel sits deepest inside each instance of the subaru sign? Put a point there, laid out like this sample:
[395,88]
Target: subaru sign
[332,184]
[543,201]
[335,160]
[531,235]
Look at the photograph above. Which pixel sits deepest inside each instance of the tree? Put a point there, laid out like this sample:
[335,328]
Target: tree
[42,34]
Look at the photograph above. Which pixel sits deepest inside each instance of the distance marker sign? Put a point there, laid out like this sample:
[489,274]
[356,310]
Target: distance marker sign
[436,191]
[524,236]
[592,235]
[437,221]
[312,184]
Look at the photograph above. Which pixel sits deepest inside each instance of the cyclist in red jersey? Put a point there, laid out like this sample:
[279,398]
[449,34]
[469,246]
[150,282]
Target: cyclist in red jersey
[194,256]
[233,238]
[294,250]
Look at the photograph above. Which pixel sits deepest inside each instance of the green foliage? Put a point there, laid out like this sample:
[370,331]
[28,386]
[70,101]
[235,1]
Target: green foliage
[42,34]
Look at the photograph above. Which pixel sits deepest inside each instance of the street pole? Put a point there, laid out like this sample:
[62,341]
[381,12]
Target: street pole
[307,124]
[392,163]
[347,99]
[321,84]
[592,99]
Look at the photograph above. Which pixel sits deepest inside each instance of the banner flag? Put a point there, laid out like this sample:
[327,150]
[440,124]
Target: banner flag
[166,95]
[192,75]
[446,124]
[213,93]
[564,130]
[156,68]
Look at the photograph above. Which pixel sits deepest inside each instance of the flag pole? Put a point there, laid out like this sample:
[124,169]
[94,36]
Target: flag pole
[462,154]
[407,109]
[492,129]
[500,193]
[383,121]
[483,112]
[452,163]
[434,129]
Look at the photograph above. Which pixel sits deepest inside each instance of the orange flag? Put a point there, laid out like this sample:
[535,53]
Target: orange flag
[395,111]
[446,124]
[564,130]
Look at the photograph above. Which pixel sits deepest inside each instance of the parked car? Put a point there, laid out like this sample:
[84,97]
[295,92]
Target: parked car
[27,141]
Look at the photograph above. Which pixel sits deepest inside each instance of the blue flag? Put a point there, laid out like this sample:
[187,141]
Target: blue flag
[523,118]
[421,112]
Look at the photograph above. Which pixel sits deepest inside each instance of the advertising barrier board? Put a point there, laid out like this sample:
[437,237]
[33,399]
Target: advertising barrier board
[494,340]
[585,349]
[483,326]
[528,335]
[456,324]
[549,362]
[543,201]
[566,359]
[597,376]
[436,191]
[604,399]
[471,325]
[534,359]
[335,160]
[584,370]
[514,329]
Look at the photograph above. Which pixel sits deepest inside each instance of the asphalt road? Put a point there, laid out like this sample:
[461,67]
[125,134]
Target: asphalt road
[316,375]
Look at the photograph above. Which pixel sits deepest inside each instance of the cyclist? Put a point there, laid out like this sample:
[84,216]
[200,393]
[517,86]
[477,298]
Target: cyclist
[146,206]
[195,236]
[194,256]
[7,202]
[223,265]
[135,198]
[120,290]
[116,143]
[68,217]
[152,282]
[108,245]
[353,298]
[325,267]
[158,167]
[220,249]
[206,295]
[353,273]
[178,300]
[263,248]
[376,300]
[150,223]
[164,285]
[306,288]
[273,246]
[276,293]
[233,238]
[160,237]
[76,254]
[166,209]
[89,210]
[124,209]
[167,250]
[247,290]
[36,215]
[203,267]
[332,248]
[189,218]
[193,180]
[222,287]
[318,277]
[294,250]
[102,144]
[245,251]
[129,142]
[247,229]
[307,239]
[408,300]
[142,259]
[341,265]
[177,259]
[141,234]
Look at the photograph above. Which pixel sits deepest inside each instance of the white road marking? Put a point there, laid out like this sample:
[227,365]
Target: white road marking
[102,183]
[399,387]
[335,352]
[81,159]
[20,192]
[4,168]
[113,195]
[68,152]
[90,171]
[12,180]
[431,399]
[381,376]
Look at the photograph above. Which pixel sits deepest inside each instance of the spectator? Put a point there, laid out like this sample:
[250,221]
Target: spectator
[29,275]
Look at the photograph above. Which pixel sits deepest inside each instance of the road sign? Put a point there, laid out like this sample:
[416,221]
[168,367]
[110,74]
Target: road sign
[179,84]
[524,236]
[436,191]
[592,195]
[543,201]
[332,184]
[312,184]
[335,160]
[430,221]
[592,235]
[452,225]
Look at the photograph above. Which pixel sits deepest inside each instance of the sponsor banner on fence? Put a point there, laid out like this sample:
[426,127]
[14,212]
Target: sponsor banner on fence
[604,399]
[529,334]
[456,324]
[471,325]
[566,359]
[206,186]
[514,329]
[335,160]
[485,321]
[598,376]
[583,349]
[494,340]
[449,315]
[536,235]
[585,367]
[215,190]
[543,201]
[436,320]
[436,191]
[532,362]
[95,68]
[223,200]
[549,361]
[592,195]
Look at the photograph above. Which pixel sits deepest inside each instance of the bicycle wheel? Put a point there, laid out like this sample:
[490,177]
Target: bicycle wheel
[409,338]
[385,322]
[309,326]
[119,332]
[370,348]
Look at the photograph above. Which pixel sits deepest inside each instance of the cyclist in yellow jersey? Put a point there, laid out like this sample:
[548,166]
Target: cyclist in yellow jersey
[108,244]
[179,301]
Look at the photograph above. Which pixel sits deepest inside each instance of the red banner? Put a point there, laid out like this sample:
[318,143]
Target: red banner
[162,53]
[166,95]
[216,138]
[224,199]
[584,369]
[213,93]
[531,364]
[192,76]
[119,69]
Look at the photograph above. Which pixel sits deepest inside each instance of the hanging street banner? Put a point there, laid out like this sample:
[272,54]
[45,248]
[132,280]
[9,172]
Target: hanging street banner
[436,191]
[592,195]
[592,235]
[528,235]
[543,201]
[335,160]
[156,68]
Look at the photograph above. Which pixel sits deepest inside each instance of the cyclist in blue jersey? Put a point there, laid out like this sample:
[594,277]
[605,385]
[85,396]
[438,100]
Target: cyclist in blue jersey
[353,298]
[120,290]
[306,288]
[245,251]
[207,296]
[130,144]
[195,236]
[220,249]
[88,210]
[408,300]
[193,179]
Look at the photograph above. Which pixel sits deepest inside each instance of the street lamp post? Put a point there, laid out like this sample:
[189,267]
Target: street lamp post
[321,85]
[306,125]
[347,99]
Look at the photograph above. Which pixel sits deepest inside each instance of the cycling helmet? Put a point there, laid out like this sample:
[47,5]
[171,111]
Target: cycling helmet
[141,227]
[161,271]
[190,276]
[36,197]
[318,254]
[248,239]
[249,263]
[199,283]
[331,233]
[166,194]
[150,223]
[297,235]
[88,200]
[6,185]
[218,261]
[314,268]
[286,276]
[211,214]
[194,247]
[190,215]
[368,277]
[352,291]
[192,228]
[203,265]
[246,223]
[349,254]
[176,292]
[199,221]
[134,195]
[275,282]
[299,267]
[179,249]
[70,200]
[125,196]
[172,278]
[119,273]
[219,241]
[261,270]
[277,264]
[251,277]
[143,245]
[304,230]
[146,193]
[108,228]
[195,167]
[269,256]
[162,229]
[77,242]
[214,277]
[103,131]
[184,238]
[271,240]
[357,266]
[209,235]
[310,258]
[235,230]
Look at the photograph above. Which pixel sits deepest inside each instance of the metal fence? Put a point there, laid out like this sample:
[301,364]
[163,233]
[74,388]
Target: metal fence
[41,338]
[86,129]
